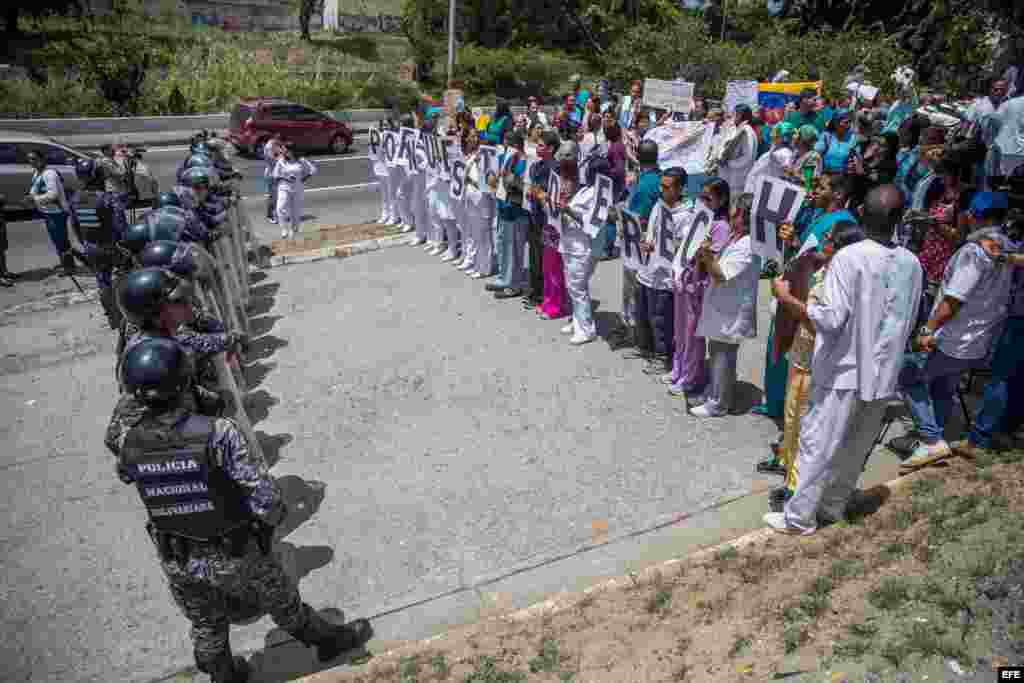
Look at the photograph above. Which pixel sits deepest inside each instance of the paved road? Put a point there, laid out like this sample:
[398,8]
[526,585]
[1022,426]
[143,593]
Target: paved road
[436,439]
[338,194]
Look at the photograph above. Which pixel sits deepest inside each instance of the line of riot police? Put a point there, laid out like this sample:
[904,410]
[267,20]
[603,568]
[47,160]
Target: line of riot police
[175,287]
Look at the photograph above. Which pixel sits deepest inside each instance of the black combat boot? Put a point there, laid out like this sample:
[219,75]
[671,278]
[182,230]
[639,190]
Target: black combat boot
[67,264]
[224,668]
[110,308]
[331,640]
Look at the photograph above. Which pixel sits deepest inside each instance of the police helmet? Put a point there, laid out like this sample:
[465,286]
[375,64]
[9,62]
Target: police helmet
[141,294]
[157,371]
[195,176]
[159,254]
[169,199]
[88,170]
[199,161]
[158,225]
[647,152]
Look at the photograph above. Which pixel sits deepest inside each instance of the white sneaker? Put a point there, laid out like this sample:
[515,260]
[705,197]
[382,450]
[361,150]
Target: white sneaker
[475,275]
[666,378]
[777,522]
[416,241]
[448,257]
[381,221]
[703,411]
[568,329]
[578,340]
[407,228]
[926,454]
[284,233]
[466,266]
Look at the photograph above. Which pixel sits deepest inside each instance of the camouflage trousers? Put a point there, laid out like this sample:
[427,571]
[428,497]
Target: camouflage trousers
[210,585]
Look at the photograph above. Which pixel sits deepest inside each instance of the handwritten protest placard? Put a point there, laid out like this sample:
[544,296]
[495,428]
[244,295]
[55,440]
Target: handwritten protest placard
[631,229]
[670,95]
[603,200]
[740,92]
[389,147]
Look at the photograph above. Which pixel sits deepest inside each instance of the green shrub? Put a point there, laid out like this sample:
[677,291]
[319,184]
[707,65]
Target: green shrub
[483,71]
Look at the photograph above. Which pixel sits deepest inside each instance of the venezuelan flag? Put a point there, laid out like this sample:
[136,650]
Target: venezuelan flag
[773,97]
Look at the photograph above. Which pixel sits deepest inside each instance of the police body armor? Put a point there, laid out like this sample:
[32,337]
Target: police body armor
[185,491]
[96,224]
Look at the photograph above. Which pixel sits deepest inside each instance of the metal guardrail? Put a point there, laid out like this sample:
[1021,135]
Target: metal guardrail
[359,118]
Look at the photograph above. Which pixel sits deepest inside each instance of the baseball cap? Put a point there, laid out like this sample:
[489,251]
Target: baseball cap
[983,204]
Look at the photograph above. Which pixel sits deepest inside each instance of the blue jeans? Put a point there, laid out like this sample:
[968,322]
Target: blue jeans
[57,228]
[929,383]
[1002,407]
[510,243]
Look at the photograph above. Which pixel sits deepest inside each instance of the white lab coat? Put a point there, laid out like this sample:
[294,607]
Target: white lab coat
[729,312]
[866,314]
[291,179]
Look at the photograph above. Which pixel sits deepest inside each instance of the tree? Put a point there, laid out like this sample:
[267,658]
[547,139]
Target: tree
[14,9]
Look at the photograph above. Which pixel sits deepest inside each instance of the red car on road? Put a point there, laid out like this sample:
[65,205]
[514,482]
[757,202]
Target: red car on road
[255,120]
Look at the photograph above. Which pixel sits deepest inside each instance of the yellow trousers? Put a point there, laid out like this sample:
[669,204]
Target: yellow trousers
[798,389]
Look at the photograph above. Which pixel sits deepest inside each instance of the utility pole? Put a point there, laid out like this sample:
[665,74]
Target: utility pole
[724,3]
[451,42]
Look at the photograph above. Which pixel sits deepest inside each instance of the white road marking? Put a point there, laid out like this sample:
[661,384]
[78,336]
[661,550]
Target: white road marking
[358,186]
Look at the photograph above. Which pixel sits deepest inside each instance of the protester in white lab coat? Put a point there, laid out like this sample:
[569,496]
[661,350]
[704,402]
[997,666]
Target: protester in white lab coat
[271,155]
[479,212]
[740,155]
[388,212]
[441,209]
[291,174]
[870,300]
[729,313]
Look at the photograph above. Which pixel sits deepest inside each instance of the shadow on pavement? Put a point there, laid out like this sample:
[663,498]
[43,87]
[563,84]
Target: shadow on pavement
[272,445]
[260,306]
[284,659]
[303,498]
[258,405]
[262,325]
[255,373]
[264,347]
[267,290]
[746,397]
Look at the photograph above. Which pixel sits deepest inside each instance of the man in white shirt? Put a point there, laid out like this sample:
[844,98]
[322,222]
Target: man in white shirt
[872,292]
[968,314]
[47,192]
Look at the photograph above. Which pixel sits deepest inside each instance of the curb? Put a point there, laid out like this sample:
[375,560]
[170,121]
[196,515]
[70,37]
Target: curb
[338,251]
[566,601]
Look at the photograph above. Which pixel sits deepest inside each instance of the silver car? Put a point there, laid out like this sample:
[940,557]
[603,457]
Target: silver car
[16,173]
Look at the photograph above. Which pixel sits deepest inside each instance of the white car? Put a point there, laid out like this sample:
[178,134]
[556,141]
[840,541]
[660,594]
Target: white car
[16,173]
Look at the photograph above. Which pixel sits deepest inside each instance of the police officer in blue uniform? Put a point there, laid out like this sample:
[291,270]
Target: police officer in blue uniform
[212,508]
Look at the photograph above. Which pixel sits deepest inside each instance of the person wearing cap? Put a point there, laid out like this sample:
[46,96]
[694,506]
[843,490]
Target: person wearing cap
[971,307]
[835,145]
[806,165]
[807,114]
[776,161]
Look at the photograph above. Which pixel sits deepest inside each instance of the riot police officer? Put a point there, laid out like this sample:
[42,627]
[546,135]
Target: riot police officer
[212,508]
[99,219]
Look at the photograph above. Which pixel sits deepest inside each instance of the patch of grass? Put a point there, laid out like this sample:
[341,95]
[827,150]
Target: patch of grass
[923,640]
[925,487]
[903,519]
[893,592]
[549,658]
[815,604]
[439,663]
[862,630]
[894,551]
[567,676]
[852,648]
[661,601]
[846,569]
[739,645]
[486,670]
[822,585]
[727,553]
[409,669]
[793,636]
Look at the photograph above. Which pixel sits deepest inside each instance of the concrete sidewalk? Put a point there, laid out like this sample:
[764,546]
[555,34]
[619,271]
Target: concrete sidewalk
[446,457]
